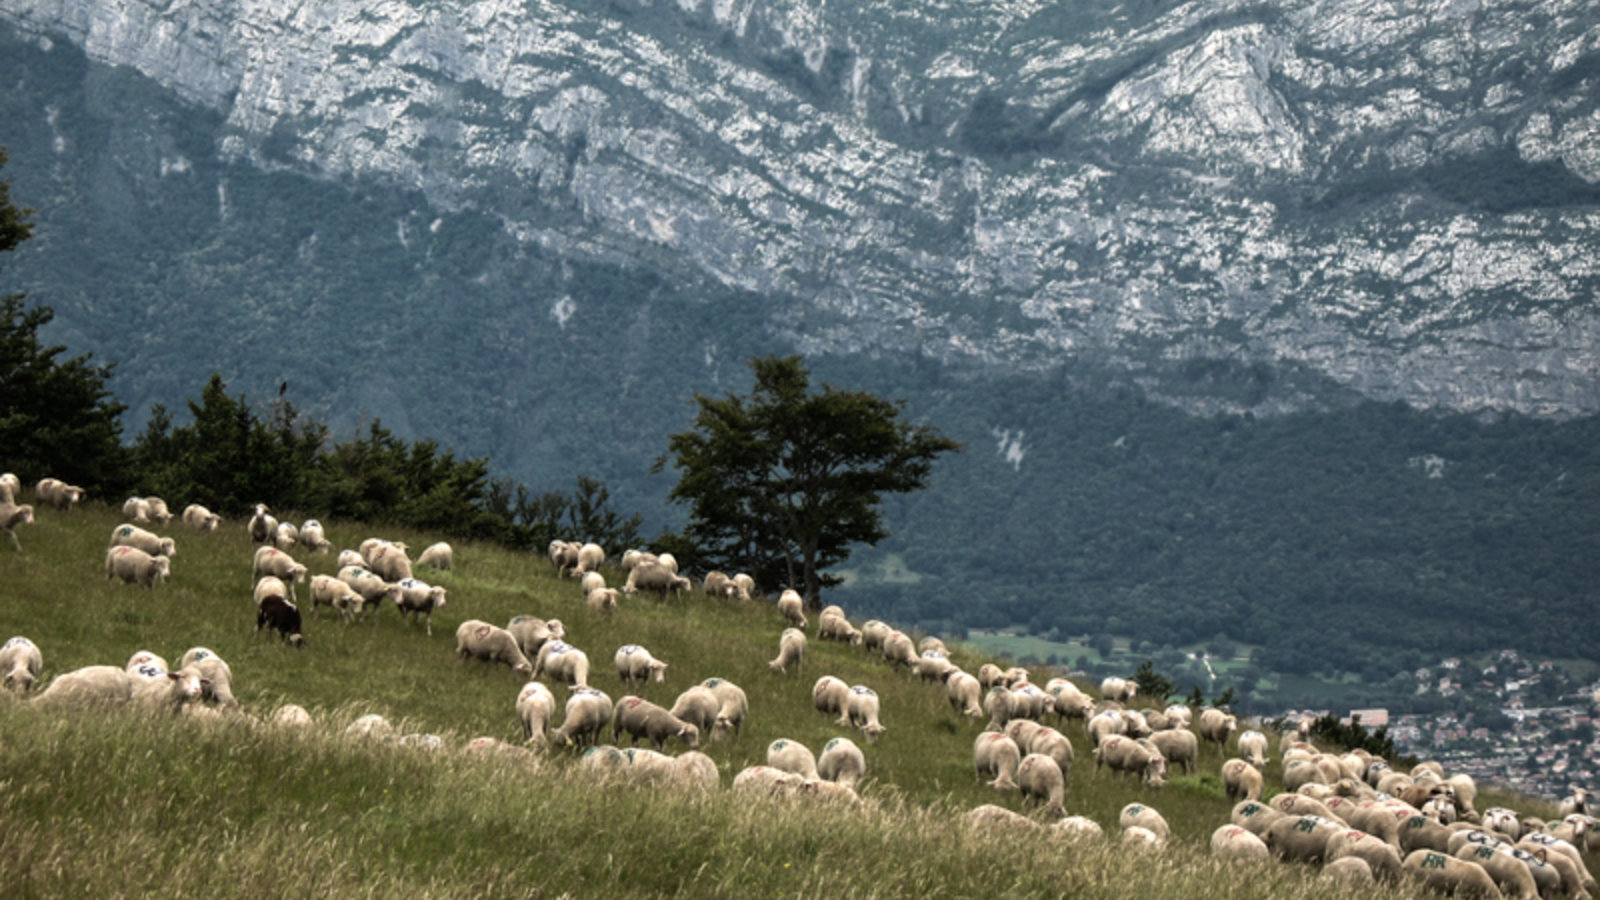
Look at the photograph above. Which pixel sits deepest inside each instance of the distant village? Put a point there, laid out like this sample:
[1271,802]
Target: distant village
[1526,726]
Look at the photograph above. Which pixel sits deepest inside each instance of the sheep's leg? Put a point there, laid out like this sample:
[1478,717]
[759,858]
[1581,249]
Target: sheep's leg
[14,542]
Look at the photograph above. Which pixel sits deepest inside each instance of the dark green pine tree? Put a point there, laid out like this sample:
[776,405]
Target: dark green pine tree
[57,418]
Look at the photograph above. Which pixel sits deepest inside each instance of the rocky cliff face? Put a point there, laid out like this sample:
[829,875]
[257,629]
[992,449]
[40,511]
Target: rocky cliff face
[1397,200]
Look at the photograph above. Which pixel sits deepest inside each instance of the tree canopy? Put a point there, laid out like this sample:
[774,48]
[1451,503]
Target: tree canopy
[782,481]
[56,416]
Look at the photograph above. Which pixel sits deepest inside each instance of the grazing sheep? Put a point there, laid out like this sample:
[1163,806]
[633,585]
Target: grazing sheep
[535,706]
[329,591]
[480,640]
[1141,839]
[1124,754]
[1382,858]
[590,557]
[1104,724]
[933,665]
[833,626]
[733,705]
[1120,690]
[635,664]
[792,756]
[601,601]
[287,537]
[1576,802]
[1508,873]
[719,585]
[134,536]
[1240,780]
[371,725]
[371,588]
[1028,701]
[1545,875]
[1022,731]
[992,816]
[1180,747]
[699,706]
[1301,838]
[389,561]
[873,633]
[20,662]
[532,632]
[997,703]
[695,770]
[134,566]
[1054,744]
[767,781]
[272,561]
[1040,778]
[745,585]
[57,493]
[415,598]
[989,675]
[995,754]
[1217,726]
[350,558]
[862,708]
[898,650]
[791,649]
[964,693]
[592,581]
[842,762]
[562,662]
[136,509]
[437,556]
[1349,871]
[641,718]
[1068,700]
[199,518]
[587,713]
[1418,832]
[291,715]
[1079,828]
[284,617]
[1138,815]
[563,555]
[1296,804]
[1560,851]
[657,577]
[12,515]
[1447,875]
[1253,748]
[216,676]
[830,696]
[312,537]
[1254,817]
[1236,844]
[792,606]
[91,686]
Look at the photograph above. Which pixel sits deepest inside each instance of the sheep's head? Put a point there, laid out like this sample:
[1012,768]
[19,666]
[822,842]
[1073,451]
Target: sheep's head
[690,734]
[20,681]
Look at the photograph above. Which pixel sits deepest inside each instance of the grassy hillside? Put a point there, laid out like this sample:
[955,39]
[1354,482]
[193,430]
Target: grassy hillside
[123,806]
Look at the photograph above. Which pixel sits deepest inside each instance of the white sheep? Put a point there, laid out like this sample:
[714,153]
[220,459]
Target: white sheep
[833,626]
[199,518]
[171,692]
[830,696]
[275,562]
[371,725]
[745,585]
[1240,780]
[996,754]
[699,706]
[898,649]
[590,557]
[719,585]
[601,601]
[1039,778]
[415,598]
[12,515]
[535,706]
[873,633]
[1124,754]
[1068,700]
[1054,744]
[636,664]
[388,559]
[792,756]
[531,633]
[10,487]
[329,591]
[478,639]
[933,665]
[587,712]
[592,581]
[1120,690]
[263,528]
[57,493]
[287,537]
[134,566]
[792,606]
[733,707]
[965,694]
[349,558]
[1234,843]
[20,662]
[372,588]
[291,715]
[91,686]
[1137,815]
[791,650]
[1217,726]
[1179,747]
[1253,748]
[134,536]
[216,677]
[158,512]
[136,509]
[842,762]
[313,538]
[437,556]
[655,576]
[862,708]
[563,662]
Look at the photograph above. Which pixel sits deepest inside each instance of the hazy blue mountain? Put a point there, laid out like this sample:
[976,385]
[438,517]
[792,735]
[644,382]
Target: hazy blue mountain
[533,230]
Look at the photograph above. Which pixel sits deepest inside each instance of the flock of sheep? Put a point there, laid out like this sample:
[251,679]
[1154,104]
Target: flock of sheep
[1348,813]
